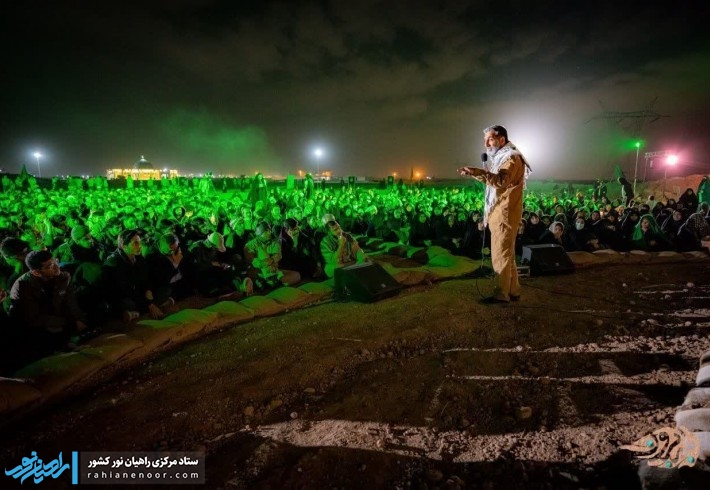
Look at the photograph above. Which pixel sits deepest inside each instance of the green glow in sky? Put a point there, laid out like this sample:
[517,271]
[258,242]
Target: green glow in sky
[201,133]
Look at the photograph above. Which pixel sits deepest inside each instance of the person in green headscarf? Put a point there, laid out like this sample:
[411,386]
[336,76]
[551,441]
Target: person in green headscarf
[648,236]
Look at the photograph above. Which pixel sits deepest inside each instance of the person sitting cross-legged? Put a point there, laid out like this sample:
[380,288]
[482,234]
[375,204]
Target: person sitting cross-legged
[170,269]
[264,254]
[13,252]
[127,283]
[213,277]
[692,233]
[298,251]
[339,248]
[648,236]
[43,311]
[82,256]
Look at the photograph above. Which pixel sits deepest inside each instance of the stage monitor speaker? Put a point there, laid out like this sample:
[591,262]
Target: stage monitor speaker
[546,259]
[367,282]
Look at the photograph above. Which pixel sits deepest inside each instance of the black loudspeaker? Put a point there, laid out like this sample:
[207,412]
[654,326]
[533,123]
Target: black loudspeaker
[546,259]
[367,282]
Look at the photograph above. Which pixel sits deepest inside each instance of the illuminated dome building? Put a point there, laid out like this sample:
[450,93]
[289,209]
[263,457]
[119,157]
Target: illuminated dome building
[142,170]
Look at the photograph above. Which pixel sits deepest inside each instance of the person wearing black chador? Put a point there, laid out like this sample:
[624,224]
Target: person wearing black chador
[627,190]
[534,228]
[689,200]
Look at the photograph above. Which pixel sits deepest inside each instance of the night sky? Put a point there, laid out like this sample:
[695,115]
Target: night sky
[239,86]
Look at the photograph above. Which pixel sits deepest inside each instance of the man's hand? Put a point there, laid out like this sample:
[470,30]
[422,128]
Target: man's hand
[155,312]
[471,171]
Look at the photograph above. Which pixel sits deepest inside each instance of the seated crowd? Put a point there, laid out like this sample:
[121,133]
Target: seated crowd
[73,260]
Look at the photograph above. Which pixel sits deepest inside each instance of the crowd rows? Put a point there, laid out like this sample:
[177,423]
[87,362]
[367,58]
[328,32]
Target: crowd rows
[74,259]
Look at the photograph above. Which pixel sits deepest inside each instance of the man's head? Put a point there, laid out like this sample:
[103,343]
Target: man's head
[494,138]
[291,227]
[42,264]
[331,224]
[216,240]
[81,235]
[168,244]
[130,242]
[263,231]
[13,248]
[237,225]
[113,227]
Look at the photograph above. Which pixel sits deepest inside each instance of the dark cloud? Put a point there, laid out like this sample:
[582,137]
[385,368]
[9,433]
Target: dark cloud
[385,84]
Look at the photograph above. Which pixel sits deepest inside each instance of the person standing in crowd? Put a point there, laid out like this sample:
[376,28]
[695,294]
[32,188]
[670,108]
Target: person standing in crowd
[627,190]
[504,176]
[704,190]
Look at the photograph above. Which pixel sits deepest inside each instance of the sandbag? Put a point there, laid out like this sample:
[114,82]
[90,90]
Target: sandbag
[156,333]
[318,290]
[262,306]
[111,347]
[53,374]
[229,312]
[15,394]
[290,297]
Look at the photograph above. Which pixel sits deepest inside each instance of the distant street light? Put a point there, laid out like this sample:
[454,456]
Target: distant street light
[38,155]
[636,169]
[318,153]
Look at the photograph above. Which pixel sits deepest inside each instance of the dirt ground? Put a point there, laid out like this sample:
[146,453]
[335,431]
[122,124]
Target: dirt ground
[428,389]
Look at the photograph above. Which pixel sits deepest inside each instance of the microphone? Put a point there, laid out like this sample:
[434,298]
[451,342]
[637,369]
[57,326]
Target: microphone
[484,160]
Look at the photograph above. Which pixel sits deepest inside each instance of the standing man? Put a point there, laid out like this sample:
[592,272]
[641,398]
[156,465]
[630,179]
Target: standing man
[504,176]
[627,190]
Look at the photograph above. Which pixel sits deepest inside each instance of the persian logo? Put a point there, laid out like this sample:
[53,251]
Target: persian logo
[33,466]
[668,447]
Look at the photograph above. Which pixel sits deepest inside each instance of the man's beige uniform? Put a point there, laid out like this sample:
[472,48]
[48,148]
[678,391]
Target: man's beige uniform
[504,210]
